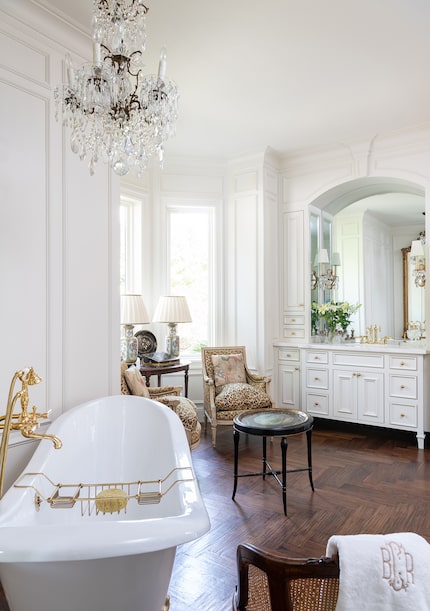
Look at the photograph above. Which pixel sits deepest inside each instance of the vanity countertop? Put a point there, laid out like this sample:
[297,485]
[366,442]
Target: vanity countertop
[405,347]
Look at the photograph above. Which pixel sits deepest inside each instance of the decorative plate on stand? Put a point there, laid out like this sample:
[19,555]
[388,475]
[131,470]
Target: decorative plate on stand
[146,342]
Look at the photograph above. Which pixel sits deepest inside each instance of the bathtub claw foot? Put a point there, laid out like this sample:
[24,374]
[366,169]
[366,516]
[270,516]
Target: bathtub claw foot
[166,606]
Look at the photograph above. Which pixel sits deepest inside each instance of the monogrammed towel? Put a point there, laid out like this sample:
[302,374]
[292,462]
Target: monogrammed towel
[382,572]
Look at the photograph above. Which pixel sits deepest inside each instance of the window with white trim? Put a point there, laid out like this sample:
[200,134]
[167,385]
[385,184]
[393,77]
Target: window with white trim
[191,270]
[131,245]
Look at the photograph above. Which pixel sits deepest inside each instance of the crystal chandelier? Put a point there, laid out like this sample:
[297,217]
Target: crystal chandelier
[115,113]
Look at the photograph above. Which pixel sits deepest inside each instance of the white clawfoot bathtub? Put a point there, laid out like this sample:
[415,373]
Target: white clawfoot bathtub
[60,549]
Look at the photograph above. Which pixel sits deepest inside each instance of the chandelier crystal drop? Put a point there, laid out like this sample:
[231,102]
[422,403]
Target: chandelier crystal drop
[116,114]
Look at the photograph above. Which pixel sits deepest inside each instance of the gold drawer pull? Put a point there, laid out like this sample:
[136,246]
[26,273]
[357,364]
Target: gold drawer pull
[316,404]
[402,415]
[402,363]
[288,356]
[293,332]
[316,358]
[293,320]
[296,369]
[358,375]
[402,387]
[316,379]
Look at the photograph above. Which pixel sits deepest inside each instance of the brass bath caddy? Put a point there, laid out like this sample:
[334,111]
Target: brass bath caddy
[105,497]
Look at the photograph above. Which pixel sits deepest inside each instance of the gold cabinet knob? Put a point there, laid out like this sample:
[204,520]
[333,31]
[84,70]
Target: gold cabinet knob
[402,415]
[402,387]
[402,363]
[316,404]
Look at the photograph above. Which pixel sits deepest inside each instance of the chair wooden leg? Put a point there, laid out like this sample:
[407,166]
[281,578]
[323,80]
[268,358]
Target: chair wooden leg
[213,435]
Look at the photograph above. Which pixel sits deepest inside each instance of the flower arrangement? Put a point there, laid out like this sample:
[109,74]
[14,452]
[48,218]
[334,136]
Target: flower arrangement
[336,314]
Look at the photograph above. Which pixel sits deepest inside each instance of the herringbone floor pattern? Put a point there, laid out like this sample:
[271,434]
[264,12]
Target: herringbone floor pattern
[366,481]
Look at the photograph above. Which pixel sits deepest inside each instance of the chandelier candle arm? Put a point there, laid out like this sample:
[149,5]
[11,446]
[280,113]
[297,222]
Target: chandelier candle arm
[162,64]
[70,71]
[97,54]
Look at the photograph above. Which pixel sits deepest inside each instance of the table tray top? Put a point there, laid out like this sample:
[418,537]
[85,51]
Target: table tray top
[274,421]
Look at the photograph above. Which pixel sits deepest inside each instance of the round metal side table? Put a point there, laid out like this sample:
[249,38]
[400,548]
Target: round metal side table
[273,423]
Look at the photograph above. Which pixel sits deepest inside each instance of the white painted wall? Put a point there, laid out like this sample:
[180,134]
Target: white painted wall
[59,309]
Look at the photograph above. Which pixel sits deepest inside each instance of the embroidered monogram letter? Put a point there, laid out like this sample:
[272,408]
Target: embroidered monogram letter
[397,566]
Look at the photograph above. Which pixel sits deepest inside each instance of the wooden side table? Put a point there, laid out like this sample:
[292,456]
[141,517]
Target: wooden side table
[148,370]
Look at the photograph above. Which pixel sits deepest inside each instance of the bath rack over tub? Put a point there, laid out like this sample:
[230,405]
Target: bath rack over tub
[65,496]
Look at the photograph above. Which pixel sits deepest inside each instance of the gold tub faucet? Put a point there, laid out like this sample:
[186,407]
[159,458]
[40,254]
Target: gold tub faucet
[24,421]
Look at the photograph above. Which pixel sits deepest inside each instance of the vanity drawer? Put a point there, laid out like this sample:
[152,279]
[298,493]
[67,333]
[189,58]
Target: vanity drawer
[358,360]
[293,333]
[286,354]
[404,386]
[317,378]
[403,362]
[294,320]
[317,356]
[317,404]
[403,415]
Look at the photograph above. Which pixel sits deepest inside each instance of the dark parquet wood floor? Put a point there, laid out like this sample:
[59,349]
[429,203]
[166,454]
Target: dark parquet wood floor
[366,481]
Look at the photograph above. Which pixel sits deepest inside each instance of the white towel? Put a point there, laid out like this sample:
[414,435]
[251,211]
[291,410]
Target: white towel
[382,572]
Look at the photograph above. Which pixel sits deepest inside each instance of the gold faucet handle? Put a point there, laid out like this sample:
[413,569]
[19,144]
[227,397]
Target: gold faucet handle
[35,416]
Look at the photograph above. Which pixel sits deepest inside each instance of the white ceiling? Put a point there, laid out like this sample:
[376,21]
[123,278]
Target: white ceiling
[290,74]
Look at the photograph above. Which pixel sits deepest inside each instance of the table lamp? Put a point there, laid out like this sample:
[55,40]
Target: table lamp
[133,312]
[172,309]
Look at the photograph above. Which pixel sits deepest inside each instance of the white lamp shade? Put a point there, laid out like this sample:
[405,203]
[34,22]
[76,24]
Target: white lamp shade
[172,309]
[323,256]
[133,310]
[417,249]
[335,259]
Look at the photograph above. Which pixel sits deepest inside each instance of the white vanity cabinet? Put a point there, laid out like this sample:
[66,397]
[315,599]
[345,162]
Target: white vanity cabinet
[358,396]
[358,387]
[405,389]
[288,378]
[316,382]
[373,385]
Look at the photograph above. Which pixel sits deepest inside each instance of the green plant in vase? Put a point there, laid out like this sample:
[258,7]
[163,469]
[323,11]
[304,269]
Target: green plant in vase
[337,315]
